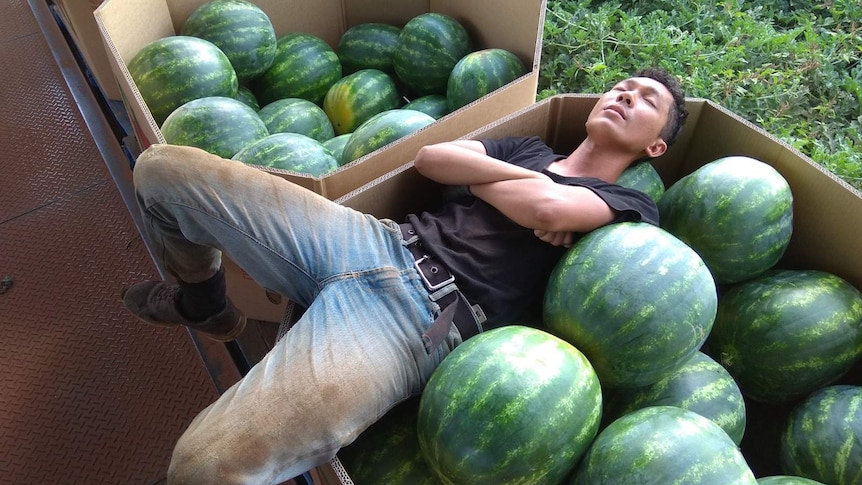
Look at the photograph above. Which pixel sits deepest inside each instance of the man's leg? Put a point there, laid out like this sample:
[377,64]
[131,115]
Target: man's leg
[354,354]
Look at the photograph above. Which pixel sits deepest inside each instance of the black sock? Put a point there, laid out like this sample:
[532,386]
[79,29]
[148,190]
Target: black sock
[198,301]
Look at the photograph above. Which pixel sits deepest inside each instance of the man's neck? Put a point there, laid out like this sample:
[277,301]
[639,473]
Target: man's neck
[591,160]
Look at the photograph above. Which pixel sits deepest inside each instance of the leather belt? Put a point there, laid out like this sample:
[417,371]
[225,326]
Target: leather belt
[440,283]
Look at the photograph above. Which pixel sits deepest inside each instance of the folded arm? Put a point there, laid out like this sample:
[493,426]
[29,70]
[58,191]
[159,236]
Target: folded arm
[465,162]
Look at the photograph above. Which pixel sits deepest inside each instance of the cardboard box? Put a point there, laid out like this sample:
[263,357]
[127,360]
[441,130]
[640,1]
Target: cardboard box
[126,26]
[825,209]
[81,24]
[517,25]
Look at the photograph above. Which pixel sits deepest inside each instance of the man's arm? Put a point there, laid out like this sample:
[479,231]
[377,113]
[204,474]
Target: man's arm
[547,207]
[465,162]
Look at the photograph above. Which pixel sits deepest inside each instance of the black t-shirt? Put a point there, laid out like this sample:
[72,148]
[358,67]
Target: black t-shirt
[497,263]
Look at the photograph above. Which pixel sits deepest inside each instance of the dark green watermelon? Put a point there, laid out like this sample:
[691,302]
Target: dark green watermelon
[823,437]
[245,95]
[296,115]
[644,177]
[172,71]
[355,98]
[633,298]
[219,125]
[240,29]
[663,445]
[336,146]
[736,212]
[787,333]
[480,73]
[510,405]
[428,47]
[434,105]
[382,129]
[305,66]
[368,46]
[289,151]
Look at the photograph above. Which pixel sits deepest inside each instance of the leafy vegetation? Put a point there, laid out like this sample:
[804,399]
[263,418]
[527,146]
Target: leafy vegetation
[790,66]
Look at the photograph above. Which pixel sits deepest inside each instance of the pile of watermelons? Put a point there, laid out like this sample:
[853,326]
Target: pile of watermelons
[229,85]
[655,345]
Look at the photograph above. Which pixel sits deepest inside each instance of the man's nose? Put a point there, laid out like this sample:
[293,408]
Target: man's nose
[625,97]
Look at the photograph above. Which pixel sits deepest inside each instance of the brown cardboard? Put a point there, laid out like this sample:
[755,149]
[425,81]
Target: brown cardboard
[826,209]
[127,26]
[81,24]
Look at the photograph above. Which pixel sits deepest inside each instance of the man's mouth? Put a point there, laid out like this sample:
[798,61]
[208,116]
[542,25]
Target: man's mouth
[618,110]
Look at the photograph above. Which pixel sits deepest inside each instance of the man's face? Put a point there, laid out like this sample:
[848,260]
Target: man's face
[632,115]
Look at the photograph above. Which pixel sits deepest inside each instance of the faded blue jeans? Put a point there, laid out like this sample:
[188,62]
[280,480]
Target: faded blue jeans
[357,350]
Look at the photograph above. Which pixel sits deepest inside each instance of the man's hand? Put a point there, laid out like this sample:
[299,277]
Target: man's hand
[555,238]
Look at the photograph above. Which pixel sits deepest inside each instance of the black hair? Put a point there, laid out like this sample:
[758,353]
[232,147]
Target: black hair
[678,112]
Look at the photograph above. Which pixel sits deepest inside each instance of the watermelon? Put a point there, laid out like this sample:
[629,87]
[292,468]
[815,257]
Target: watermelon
[786,480]
[172,71]
[388,451]
[305,66]
[355,98]
[479,73]
[383,129]
[701,385]
[663,445]
[336,145]
[644,177]
[510,405]
[736,212]
[636,300]
[787,333]
[289,151]
[245,95]
[219,125]
[428,47]
[296,115]
[434,105]
[240,29]
[823,437]
[368,46]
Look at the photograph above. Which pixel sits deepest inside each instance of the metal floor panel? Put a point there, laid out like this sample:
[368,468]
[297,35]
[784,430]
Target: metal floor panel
[87,394]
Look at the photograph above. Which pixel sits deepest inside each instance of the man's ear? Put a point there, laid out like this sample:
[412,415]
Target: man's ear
[657,149]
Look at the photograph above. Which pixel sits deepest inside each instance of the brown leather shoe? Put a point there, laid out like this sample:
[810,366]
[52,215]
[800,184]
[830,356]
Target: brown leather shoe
[157,303]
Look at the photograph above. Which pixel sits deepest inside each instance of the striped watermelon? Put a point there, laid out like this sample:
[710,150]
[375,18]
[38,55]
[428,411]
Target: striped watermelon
[511,405]
[289,151]
[355,98]
[388,451]
[219,125]
[736,212]
[823,437]
[787,333]
[296,115]
[701,385]
[240,29]
[633,298]
[479,73]
[663,445]
[428,47]
[786,480]
[172,71]
[368,46]
[305,66]
[644,177]
[434,105]
[382,129]
[245,95]
[336,145]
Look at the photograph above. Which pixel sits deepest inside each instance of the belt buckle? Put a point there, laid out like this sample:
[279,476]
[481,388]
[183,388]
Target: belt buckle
[428,284]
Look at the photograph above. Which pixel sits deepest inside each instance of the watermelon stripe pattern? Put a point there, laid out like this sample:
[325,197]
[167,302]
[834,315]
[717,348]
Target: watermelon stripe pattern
[240,29]
[368,46]
[296,115]
[644,177]
[823,437]
[289,151]
[219,125]
[736,212]
[787,333]
[511,405]
[172,71]
[355,98]
[304,67]
[428,48]
[479,73]
[382,129]
[663,445]
[701,385]
[633,298]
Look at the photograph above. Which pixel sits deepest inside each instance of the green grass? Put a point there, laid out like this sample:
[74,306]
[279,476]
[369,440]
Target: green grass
[791,67]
